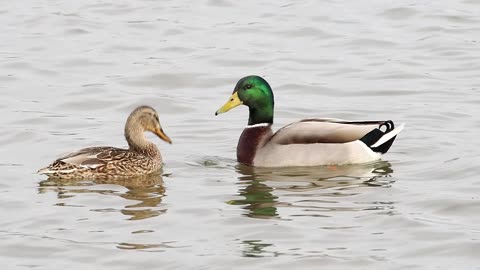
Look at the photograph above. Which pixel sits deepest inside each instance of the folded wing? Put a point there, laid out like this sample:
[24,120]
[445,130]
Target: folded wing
[93,157]
[323,131]
[328,131]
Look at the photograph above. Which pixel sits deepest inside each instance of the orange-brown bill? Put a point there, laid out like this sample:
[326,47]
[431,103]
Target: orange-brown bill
[162,135]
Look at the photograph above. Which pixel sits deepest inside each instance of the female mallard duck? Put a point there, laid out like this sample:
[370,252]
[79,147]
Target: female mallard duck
[308,142]
[142,157]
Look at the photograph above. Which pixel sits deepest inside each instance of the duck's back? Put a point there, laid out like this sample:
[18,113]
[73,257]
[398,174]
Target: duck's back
[313,142]
[102,162]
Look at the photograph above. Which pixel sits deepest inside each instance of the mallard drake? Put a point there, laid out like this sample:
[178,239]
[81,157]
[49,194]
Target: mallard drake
[142,157]
[308,142]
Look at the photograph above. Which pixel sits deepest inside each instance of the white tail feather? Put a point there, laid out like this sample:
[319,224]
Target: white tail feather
[48,171]
[389,135]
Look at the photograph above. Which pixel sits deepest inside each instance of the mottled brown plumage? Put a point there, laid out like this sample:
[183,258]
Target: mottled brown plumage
[142,157]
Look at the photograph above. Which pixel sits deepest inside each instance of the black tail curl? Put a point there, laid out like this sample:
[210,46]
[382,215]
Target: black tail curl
[373,136]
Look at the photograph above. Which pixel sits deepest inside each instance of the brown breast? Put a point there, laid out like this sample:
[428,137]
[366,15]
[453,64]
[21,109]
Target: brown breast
[251,139]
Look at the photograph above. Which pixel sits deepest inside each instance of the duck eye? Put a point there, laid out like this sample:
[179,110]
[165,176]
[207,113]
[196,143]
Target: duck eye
[248,86]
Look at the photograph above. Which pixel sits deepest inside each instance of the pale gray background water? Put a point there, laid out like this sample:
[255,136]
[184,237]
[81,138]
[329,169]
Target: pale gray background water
[71,72]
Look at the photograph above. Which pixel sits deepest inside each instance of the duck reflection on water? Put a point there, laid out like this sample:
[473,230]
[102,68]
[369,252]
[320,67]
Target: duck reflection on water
[263,191]
[147,191]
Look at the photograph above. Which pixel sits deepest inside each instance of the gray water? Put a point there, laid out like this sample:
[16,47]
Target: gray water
[71,72]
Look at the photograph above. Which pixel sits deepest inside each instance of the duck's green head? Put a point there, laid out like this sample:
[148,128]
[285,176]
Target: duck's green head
[254,92]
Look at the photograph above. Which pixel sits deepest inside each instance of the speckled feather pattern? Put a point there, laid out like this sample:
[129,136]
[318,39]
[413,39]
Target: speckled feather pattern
[114,162]
[141,158]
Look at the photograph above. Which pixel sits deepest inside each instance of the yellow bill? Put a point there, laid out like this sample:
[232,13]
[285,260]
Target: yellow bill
[162,135]
[233,102]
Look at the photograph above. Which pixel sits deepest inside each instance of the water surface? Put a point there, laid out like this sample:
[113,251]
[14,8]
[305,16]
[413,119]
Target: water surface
[71,72]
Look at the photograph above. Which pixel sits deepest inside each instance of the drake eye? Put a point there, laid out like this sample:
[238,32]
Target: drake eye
[248,86]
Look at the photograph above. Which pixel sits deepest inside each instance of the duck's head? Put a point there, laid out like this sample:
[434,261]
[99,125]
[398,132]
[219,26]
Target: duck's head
[254,92]
[145,118]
